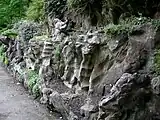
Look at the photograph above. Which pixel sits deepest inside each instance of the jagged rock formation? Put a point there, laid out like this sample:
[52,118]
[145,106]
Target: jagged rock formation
[87,76]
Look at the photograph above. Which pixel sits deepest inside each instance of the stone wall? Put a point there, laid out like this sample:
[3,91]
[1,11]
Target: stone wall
[88,76]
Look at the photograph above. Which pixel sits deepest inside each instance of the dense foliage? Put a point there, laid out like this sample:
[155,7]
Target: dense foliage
[33,82]
[36,10]
[132,7]
[11,11]
[129,25]
[27,29]
[96,9]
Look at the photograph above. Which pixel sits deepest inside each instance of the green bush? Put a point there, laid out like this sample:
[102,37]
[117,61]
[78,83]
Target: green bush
[10,33]
[36,90]
[11,11]
[57,52]
[2,30]
[6,60]
[157,61]
[28,29]
[33,82]
[2,54]
[21,75]
[128,25]
[40,38]
[100,9]
[36,10]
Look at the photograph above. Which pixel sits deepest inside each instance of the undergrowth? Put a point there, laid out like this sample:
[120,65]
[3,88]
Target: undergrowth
[3,58]
[128,25]
[157,61]
[36,10]
[40,38]
[57,52]
[33,82]
[10,33]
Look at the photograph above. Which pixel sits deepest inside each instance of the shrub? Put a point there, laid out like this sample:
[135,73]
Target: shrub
[99,9]
[11,11]
[27,29]
[36,10]
[157,61]
[10,33]
[2,53]
[41,38]
[57,52]
[36,90]
[33,79]
[128,25]
[6,61]
[21,75]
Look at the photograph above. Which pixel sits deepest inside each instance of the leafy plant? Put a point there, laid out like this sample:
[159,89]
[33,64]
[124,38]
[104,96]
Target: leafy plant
[36,10]
[10,33]
[40,38]
[36,90]
[6,60]
[33,80]
[28,29]
[157,61]
[21,75]
[128,25]
[2,30]
[11,11]
[2,53]
[57,53]
[155,23]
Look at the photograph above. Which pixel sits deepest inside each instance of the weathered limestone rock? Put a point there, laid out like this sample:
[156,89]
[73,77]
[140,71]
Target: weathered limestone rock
[68,53]
[130,57]
[77,62]
[57,101]
[45,70]
[88,59]
[59,26]
[87,76]
[5,40]
[155,84]
[32,55]
[88,109]
[122,98]
[45,95]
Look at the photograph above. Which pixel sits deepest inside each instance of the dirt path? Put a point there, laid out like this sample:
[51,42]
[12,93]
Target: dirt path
[16,104]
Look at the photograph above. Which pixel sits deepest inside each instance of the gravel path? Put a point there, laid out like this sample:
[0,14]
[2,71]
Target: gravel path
[16,104]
